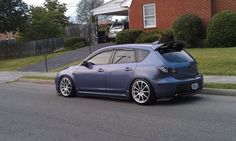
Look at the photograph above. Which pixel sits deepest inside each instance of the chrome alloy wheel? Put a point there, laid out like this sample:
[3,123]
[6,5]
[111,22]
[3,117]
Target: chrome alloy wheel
[141,91]
[66,87]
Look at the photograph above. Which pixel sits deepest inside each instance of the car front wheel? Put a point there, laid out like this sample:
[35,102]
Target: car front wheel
[66,87]
[142,92]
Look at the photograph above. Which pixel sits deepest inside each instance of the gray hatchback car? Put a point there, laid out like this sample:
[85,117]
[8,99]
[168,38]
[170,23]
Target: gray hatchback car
[143,72]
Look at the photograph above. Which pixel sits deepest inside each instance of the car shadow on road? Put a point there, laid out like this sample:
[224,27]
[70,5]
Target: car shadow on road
[160,102]
[105,98]
[179,100]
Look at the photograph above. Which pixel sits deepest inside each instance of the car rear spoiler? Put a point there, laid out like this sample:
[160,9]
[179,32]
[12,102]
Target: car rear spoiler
[174,46]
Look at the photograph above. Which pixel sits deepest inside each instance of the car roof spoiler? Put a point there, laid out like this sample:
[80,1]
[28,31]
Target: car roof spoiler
[176,45]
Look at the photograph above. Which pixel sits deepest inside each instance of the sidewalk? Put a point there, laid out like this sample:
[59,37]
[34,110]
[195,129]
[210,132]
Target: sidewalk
[7,76]
[220,79]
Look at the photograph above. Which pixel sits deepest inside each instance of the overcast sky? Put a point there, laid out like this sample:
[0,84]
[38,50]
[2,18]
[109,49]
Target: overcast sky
[71,5]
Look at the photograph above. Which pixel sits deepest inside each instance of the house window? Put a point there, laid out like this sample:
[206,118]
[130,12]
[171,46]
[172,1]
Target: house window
[149,15]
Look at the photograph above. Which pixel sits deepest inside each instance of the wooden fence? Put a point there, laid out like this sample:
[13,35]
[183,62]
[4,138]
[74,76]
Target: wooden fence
[87,31]
[31,48]
[7,42]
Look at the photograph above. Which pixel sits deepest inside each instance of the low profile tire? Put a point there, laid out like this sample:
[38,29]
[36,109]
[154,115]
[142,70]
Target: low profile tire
[66,87]
[142,92]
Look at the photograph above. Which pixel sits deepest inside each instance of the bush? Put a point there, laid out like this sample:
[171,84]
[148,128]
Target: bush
[127,36]
[156,35]
[167,36]
[222,30]
[74,43]
[189,28]
[149,37]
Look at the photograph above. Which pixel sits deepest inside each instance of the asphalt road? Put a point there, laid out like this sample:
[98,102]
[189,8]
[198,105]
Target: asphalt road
[30,112]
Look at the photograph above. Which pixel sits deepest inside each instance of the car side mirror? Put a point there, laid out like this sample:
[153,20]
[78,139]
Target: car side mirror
[85,63]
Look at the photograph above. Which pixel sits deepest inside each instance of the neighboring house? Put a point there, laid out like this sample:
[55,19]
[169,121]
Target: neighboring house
[8,35]
[104,22]
[152,14]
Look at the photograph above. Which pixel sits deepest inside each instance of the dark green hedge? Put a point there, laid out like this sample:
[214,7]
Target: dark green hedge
[162,36]
[222,30]
[127,36]
[189,28]
[149,37]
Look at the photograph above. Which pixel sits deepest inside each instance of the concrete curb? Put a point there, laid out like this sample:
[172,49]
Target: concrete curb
[206,91]
[221,92]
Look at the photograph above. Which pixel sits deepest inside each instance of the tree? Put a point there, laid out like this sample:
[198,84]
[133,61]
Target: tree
[47,21]
[84,10]
[57,11]
[13,15]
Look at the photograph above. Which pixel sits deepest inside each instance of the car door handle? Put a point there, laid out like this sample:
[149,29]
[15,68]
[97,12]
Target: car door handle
[128,69]
[100,70]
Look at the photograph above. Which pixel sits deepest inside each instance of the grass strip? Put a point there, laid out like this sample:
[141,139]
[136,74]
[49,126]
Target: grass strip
[220,85]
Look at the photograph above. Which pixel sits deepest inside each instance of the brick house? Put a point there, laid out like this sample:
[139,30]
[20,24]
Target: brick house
[151,14]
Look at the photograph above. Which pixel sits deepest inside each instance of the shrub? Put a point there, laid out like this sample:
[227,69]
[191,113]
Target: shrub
[127,36]
[222,30]
[162,36]
[149,37]
[74,43]
[167,36]
[189,28]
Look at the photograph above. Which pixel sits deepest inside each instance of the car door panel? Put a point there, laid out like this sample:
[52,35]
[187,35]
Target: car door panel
[118,76]
[91,77]
[120,72]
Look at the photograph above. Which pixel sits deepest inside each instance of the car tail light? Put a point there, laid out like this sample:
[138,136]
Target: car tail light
[165,70]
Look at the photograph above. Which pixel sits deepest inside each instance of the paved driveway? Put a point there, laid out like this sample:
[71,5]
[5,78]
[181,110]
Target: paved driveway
[64,59]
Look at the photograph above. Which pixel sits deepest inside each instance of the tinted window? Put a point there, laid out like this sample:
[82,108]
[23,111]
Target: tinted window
[142,54]
[181,56]
[101,58]
[124,56]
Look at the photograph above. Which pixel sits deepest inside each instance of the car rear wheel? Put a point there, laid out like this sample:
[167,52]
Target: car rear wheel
[142,92]
[66,87]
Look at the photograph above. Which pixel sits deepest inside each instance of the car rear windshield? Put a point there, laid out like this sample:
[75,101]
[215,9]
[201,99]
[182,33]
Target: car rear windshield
[174,52]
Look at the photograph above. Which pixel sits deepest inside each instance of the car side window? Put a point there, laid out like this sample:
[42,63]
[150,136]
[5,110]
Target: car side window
[124,56]
[101,58]
[141,54]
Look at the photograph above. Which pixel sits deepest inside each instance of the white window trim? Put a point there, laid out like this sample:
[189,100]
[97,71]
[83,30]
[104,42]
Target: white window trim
[150,26]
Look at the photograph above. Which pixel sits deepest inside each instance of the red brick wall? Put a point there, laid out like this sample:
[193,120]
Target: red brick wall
[221,5]
[168,11]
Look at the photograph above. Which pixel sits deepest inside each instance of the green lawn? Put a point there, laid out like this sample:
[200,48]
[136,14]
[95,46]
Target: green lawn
[220,86]
[68,65]
[215,61]
[211,61]
[12,64]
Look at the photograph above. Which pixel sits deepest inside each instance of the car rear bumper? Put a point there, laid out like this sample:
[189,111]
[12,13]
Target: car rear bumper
[170,87]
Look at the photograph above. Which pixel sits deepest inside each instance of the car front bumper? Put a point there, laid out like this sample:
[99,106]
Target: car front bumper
[170,87]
